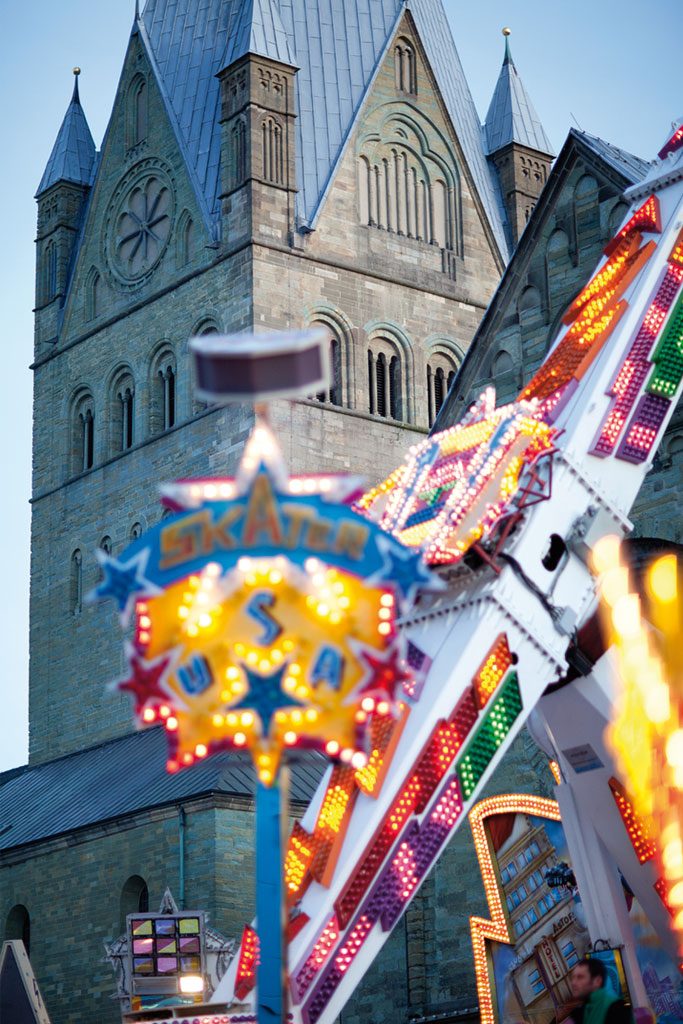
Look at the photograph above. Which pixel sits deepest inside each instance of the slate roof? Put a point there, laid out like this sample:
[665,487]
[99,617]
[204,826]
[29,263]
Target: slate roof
[512,116]
[73,155]
[258,31]
[633,168]
[121,777]
[337,45]
[629,168]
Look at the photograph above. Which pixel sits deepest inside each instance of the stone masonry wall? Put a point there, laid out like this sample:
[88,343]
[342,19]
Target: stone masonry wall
[371,286]
[72,888]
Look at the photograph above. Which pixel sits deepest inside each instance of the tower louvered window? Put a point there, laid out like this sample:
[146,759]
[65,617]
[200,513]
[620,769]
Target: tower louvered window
[394,388]
[440,376]
[381,379]
[385,384]
[438,390]
[334,394]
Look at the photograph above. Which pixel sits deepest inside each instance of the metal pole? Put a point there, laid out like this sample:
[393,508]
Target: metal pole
[270,902]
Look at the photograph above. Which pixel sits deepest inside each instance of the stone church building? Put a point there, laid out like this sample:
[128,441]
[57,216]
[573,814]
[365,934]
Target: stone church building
[268,164]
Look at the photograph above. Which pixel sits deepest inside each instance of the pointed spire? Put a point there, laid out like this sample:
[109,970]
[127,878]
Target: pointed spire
[512,116]
[258,29]
[508,56]
[73,154]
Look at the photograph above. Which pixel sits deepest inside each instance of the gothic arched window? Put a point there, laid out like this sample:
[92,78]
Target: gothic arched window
[505,377]
[334,395]
[440,375]
[163,392]
[186,240]
[207,326]
[137,113]
[76,583]
[503,363]
[386,380]
[587,212]
[106,544]
[18,926]
[95,286]
[122,411]
[404,67]
[93,297]
[82,440]
[136,531]
[134,899]
[557,261]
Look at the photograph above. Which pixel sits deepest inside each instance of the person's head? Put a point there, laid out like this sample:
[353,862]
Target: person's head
[588,975]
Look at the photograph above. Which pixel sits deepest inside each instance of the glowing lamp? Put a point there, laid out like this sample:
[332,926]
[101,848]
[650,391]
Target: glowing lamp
[191,984]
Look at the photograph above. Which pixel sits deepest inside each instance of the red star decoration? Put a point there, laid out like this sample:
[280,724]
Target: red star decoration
[144,681]
[386,675]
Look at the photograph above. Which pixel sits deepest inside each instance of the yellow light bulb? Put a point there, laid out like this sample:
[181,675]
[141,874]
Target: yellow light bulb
[662,579]
[674,748]
[626,615]
[614,584]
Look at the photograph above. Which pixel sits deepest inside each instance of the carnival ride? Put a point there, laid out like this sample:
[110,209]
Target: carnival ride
[505,509]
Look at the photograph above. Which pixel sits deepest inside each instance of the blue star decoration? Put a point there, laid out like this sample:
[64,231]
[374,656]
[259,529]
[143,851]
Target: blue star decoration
[124,581]
[405,571]
[266,696]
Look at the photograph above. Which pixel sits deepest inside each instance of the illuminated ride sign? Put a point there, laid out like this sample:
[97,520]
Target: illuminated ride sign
[265,616]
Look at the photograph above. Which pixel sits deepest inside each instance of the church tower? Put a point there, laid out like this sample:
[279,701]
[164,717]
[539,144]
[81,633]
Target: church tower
[517,144]
[263,169]
[62,195]
[257,118]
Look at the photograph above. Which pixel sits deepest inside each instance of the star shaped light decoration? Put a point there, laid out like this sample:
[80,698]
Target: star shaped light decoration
[455,486]
[266,615]
[124,581]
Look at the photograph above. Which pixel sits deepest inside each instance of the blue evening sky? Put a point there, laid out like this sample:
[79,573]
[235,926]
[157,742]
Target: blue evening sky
[612,67]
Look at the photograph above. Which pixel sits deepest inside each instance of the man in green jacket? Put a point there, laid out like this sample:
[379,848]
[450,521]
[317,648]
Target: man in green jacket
[599,1004]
